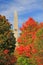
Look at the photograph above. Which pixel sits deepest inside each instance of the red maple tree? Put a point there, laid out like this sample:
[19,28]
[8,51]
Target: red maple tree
[31,41]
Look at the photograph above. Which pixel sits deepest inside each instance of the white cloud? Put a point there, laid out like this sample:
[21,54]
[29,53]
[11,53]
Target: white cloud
[22,6]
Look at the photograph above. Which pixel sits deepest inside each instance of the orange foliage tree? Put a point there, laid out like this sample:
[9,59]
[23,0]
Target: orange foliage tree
[30,43]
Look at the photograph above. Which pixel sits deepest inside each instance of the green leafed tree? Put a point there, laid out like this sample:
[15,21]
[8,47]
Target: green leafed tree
[7,39]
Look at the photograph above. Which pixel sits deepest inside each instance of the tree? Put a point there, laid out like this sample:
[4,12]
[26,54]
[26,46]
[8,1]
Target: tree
[7,39]
[7,43]
[31,42]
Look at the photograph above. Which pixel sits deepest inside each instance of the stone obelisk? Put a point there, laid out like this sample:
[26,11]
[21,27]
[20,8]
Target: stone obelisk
[16,26]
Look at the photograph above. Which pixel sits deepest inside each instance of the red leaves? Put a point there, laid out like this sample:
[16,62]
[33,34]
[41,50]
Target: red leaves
[40,25]
[39,61]
[21,28]
[20,49]
[34,36]
[25,40]
[19,40]
[6,51]
[29,39]
[23,35]
[28,55]
[13,59]
[26,50]
[40,64]
[34,51]
[29,22]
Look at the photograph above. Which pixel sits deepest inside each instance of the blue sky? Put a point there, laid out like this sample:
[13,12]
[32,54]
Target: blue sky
[25,9]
